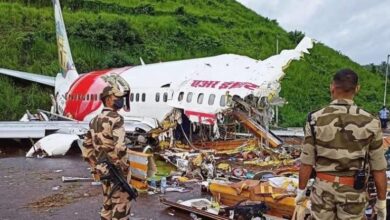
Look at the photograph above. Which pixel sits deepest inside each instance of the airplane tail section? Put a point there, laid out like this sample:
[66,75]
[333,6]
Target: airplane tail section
[68,68]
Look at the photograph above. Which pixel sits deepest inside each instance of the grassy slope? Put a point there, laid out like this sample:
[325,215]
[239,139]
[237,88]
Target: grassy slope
[156,30]
[306,85]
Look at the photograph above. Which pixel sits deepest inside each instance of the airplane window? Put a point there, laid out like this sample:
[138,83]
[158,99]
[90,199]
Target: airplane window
[165,97]
[87,97]
[143,97]
[200,98]
[222,102]
[157,97]
[137,97]
[131,97]
[181,95]
[189,97]
[211,99]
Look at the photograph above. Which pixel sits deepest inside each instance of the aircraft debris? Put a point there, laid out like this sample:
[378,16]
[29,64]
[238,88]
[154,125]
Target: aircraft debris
[53,145]
[67,179]
[55,188]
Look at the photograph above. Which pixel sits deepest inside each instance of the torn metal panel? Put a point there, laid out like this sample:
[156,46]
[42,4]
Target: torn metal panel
[256,129]
[188,208]
[280,201]
[223,145]
[53,145]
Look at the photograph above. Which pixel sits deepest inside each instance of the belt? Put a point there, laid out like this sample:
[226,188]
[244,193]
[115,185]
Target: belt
[345,180]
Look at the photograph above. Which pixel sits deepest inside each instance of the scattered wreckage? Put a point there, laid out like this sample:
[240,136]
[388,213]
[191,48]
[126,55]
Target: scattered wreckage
[248,171]
[219,156]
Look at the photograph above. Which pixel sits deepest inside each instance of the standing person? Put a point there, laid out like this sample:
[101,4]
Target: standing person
[107,134]
[338,140]
[384,117]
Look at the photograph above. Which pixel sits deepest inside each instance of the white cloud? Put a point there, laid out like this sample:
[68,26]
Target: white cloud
[360,29]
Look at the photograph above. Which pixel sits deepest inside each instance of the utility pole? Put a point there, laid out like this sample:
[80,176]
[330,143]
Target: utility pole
[277,116]
[277,107]
[386,75]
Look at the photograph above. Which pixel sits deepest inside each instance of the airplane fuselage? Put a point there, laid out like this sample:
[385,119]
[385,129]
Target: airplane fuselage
[198,86]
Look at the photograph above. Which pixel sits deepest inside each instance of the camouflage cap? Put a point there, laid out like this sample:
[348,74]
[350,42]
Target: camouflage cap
[109,90]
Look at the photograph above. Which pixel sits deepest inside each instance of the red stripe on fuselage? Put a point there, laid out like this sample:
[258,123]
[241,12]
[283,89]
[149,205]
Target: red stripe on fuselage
[210,118]
[79,102]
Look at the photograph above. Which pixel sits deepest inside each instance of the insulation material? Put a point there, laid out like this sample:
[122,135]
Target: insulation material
[142,165]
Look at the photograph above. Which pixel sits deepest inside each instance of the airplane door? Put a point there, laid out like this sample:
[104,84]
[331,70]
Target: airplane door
[170,94]
[127,106]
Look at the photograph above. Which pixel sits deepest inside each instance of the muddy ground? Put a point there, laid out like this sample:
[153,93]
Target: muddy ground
[32,188]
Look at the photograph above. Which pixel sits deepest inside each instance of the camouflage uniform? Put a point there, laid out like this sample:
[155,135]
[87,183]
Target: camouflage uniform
[107,134]
[343,134]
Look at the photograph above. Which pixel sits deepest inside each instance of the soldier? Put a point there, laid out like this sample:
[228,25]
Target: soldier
[338,140]
[107,134]
[384,116]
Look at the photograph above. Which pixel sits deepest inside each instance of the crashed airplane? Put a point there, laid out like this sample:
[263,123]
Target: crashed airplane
[208,117]
[199,89]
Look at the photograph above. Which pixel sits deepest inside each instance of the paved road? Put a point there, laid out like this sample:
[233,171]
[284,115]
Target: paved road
[26,186]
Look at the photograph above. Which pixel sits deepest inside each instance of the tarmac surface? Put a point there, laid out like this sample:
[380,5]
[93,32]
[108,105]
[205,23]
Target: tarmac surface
[31,188]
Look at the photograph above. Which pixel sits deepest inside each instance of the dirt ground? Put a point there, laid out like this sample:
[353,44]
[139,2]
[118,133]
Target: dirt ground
[31,188]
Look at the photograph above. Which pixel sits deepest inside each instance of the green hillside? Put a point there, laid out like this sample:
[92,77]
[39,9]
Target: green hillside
[113,33]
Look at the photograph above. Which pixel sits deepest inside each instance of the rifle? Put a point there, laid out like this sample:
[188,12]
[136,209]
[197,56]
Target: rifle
[245,212]
[117,178]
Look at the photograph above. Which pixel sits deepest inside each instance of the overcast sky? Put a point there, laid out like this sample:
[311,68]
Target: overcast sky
[359,29]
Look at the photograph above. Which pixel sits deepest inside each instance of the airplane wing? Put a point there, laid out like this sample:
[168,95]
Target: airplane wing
[46,80]
[56,137]
[40,129]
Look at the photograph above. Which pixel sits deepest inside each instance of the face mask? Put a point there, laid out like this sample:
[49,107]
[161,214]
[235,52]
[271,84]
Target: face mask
[118,104]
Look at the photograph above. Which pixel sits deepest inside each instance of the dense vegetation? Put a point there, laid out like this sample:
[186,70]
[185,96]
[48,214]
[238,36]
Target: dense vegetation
[113,33]
[306,84]
[377,68]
